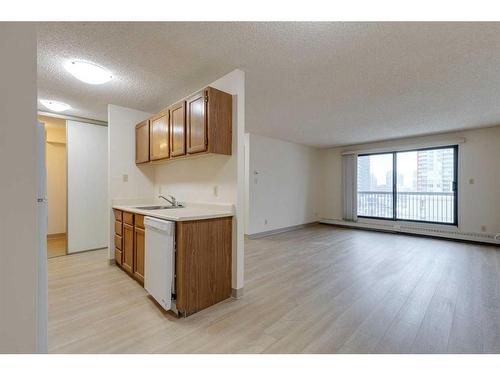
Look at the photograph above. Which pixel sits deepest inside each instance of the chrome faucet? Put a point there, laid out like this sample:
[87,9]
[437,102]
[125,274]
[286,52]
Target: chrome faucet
[172,200]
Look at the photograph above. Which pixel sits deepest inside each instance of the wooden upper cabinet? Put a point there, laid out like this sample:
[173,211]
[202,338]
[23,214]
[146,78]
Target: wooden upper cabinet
[209,122]
[159,139]
[219,121]
[177,120]
[196,123]
[142,142]
[200,124]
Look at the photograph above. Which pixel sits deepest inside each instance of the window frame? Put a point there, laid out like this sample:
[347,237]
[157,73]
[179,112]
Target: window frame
[395,185]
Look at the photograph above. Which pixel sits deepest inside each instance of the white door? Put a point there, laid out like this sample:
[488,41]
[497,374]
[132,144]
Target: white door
[87,148]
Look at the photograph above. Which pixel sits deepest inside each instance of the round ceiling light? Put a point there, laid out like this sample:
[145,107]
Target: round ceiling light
[55,105]
[88,72]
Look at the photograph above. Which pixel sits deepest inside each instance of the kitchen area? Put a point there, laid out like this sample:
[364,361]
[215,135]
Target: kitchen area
[176,194]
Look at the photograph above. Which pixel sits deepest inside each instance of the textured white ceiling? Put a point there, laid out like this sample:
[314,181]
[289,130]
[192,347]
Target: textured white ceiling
[320,84]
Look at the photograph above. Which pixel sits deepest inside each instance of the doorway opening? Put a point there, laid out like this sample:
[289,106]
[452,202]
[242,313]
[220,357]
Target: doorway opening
[57,186]
[76,172]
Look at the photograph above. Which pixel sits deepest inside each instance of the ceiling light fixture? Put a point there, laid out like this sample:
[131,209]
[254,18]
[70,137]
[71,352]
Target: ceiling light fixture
[55,106]
[88,72]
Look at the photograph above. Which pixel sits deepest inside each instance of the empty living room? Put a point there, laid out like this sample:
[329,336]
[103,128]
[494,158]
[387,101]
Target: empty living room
[241,190]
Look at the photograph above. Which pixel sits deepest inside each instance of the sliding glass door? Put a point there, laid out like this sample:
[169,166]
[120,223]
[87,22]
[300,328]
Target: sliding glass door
[375,186]
[417,185]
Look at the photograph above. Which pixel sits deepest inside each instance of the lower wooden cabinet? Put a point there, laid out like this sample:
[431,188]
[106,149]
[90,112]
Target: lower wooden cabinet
[139,238]
[203,263]
[130,243]
[128,248]
[118,236]
[118,256]
[203,258]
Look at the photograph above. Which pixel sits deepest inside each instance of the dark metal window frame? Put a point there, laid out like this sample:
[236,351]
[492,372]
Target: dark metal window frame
[395,185]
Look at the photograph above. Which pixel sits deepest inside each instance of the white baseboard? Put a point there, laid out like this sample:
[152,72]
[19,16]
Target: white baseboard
[279,230]
[434,230]
[237,293]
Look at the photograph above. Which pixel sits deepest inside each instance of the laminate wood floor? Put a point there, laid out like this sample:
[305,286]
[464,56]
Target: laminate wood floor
[320,289]
[56,247]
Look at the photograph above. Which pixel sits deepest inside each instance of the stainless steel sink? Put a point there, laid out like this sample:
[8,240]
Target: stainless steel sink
[149,208]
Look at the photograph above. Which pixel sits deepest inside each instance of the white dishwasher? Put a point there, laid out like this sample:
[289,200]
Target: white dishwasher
[159,272]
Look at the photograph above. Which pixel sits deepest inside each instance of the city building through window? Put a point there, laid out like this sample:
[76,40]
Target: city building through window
[415,185]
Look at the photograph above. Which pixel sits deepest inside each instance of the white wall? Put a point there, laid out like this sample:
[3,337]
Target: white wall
[18,189]
[207,178]
[56,176]
[215,178]
[121,161]
[283,184]
[479,158]
[87,186]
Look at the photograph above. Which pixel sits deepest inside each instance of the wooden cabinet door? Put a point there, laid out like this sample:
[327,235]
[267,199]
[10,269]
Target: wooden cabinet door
[128,248]
[159,140]
[142,142]
[139,239]
[203,263]
[196,123]
[219,121]
[177,120]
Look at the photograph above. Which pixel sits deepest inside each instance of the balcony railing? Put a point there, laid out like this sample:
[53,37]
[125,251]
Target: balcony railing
[421,206]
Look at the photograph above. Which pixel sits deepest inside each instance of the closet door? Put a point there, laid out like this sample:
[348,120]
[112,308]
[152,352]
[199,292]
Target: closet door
[177,120]
[88,215]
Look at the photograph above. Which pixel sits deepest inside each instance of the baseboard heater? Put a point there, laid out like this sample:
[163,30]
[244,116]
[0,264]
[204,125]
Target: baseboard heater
[425,231]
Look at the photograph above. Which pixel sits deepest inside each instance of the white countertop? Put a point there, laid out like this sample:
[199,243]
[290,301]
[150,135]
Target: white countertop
[191,211]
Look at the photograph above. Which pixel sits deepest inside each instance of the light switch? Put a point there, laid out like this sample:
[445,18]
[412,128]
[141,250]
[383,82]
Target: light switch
[471,181]
[216,191]
[125,178]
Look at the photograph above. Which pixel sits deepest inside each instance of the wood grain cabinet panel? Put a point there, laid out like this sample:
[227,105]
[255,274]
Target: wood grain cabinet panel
[142,142]
[177,120]
[203,263]
[201,124]
[128,248]
[118,215]
[159,137]
[219,112]
[139,221]
[118,228]
[196,123]
[118,242]
[139,244]
[128,218]
[118,256]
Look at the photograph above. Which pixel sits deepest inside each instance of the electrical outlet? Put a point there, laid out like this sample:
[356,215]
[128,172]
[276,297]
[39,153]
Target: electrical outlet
[471,181]
[265,221]
[483,228]
[125,178]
